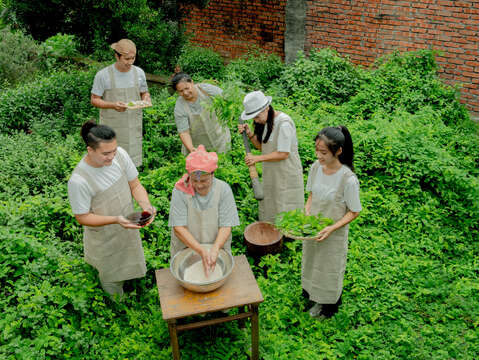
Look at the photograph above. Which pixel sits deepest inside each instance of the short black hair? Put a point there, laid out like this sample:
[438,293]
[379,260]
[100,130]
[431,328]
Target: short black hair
[179,77]
[93,134]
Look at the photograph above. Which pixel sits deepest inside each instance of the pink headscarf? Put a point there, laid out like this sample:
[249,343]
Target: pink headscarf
[199,160]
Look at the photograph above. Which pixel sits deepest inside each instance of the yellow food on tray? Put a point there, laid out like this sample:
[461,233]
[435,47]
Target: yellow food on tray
[139,104]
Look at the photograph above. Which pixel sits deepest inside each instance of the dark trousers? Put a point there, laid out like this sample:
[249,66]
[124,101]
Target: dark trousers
[328,310]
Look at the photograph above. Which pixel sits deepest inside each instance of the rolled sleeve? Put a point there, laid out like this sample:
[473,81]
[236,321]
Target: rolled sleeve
[312,173]
[79,195]
[142,81]
[181,118]
[99,85]
[351,194]
[227,212]
[178,209]
[285,137]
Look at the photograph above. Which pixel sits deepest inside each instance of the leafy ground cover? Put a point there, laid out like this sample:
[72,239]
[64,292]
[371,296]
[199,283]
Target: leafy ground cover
[411,288]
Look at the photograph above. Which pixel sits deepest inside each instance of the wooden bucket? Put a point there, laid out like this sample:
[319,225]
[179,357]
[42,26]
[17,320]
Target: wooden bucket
[262,238]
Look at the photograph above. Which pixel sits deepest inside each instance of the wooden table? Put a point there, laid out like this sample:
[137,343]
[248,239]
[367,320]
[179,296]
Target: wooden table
[239,290]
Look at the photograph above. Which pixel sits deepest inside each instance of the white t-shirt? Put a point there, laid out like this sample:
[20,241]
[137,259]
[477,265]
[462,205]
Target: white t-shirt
[325,186]
[227,212]
[122,80]
[287,134]
[80,193]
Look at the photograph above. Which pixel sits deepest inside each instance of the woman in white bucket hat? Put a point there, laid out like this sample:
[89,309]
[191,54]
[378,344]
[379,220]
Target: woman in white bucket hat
[274,133]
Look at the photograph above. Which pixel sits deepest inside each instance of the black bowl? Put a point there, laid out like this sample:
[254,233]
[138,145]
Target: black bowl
[140,217]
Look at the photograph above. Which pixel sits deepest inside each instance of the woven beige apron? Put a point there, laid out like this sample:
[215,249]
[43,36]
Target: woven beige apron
[127,124]
[202,224]
[324,262]
[282,180]
[114,251]
[205,128]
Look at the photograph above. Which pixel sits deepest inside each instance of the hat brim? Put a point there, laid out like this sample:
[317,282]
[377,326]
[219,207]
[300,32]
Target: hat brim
[245,116]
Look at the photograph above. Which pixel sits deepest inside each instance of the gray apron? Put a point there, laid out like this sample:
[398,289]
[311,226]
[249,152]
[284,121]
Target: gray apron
[127,124]
[282,180]
[205,128]
[114,251]
[324,262]
[202,224]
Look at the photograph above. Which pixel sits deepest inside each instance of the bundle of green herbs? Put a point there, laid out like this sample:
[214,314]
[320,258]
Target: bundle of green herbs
[296,223]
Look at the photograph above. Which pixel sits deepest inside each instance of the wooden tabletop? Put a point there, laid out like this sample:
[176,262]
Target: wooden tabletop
[240,289]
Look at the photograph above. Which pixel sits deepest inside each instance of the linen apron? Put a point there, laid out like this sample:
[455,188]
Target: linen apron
[205,128]
[202,224]
[127,124]
[324,263]
[114,251]
[283,185]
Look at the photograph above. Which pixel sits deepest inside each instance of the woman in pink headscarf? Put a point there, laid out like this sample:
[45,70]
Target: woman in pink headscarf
[202,209]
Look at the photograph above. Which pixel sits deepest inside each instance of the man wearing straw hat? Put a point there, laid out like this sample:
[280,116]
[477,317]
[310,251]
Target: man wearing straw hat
[202,209]
[113,88]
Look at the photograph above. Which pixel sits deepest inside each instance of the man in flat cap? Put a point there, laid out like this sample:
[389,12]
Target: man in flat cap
[113,88]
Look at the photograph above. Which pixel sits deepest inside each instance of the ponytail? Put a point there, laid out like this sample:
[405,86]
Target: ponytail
[338,137]
[93,134]
[347,155]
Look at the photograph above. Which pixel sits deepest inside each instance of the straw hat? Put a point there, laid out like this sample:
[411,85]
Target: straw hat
[124,47]
[254,103]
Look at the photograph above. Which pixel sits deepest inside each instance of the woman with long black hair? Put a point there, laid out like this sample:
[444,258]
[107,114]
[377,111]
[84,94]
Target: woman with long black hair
[334,192]
[275,135]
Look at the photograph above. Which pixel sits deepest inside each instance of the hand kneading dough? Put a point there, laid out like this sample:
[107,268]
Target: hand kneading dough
[196,274]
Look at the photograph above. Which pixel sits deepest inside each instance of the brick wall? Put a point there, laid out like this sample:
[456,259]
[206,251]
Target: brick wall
[231,27]
[360,29]
[366,29]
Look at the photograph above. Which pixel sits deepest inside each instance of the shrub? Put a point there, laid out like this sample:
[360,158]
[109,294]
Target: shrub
[55,103]
[201,63]
[18,57]
[30,164]
[323,76]
[408,81]
[97,24]
[410,288]
[256,69]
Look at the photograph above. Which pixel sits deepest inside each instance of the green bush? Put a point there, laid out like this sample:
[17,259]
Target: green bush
[97,24]
[410,288]
[18,57]
[322,76]
[256,69]
[408,81]
[201,63]
[30,164]
[52,104]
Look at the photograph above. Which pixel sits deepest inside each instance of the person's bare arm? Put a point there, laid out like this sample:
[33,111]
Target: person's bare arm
[141,196]
[94,220]
[273,156]
[145,96]
[98,102]
[187,141]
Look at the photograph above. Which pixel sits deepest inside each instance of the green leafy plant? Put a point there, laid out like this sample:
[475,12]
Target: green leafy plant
[201,63]
[297,223]
[18,57]
[256,69]
[410,286]
[322,76]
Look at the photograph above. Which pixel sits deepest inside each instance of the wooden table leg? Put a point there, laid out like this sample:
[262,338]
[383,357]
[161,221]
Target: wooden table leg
[254,333]
[175,348]
[241,323]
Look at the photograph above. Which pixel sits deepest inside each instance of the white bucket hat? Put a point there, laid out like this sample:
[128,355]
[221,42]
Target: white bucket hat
[254,103]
